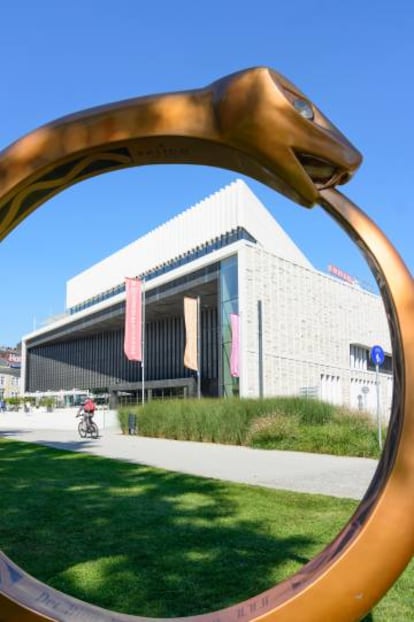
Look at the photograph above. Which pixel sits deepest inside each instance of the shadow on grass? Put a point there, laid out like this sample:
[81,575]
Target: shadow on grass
[140,540]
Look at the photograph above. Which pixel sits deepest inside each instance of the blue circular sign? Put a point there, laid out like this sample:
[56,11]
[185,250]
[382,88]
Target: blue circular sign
[377,355]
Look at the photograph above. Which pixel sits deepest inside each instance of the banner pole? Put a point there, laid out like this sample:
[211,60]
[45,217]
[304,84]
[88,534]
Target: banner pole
[143,343]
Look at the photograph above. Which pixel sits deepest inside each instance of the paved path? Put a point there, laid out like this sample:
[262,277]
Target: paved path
[285,470]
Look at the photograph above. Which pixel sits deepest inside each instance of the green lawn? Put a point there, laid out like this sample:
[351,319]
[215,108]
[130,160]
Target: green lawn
[142,541]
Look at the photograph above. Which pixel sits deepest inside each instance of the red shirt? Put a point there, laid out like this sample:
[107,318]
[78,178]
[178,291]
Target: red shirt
[89,406]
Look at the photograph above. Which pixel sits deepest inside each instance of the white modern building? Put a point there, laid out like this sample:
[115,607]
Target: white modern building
[302,331]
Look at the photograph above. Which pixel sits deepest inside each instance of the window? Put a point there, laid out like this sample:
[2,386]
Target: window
[229,298]
[359,358]
[385,368]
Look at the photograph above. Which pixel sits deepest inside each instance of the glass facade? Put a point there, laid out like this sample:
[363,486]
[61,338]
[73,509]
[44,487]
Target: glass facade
[229,303]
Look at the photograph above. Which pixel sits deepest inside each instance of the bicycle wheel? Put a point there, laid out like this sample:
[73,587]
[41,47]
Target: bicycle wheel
[82,429]
[94,430]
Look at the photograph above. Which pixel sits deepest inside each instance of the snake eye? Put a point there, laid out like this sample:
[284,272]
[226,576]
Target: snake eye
[303,108]
[301,105]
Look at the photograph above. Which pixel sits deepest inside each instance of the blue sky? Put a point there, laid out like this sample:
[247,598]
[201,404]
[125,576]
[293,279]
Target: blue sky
[353,59]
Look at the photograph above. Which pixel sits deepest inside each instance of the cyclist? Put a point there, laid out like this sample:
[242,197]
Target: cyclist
[87,409]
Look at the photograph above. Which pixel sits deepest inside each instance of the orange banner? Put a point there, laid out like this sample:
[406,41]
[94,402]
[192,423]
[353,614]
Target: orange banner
[191,331]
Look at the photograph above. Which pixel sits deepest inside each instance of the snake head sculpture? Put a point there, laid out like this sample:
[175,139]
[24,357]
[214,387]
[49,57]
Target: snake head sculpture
[255,122]
[260,111]
[258,123]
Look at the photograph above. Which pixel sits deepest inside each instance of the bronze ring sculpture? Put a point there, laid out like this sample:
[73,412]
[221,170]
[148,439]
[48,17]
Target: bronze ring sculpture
[257,123]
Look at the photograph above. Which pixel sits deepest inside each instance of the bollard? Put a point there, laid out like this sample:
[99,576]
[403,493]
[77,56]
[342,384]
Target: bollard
[132,424]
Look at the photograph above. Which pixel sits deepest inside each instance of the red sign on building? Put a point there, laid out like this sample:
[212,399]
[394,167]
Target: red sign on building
[344,276]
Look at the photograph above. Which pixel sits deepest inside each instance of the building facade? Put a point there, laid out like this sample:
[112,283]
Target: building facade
[301,331]
[10,361]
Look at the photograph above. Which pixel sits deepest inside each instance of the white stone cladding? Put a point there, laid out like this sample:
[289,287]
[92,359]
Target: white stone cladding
[309,321]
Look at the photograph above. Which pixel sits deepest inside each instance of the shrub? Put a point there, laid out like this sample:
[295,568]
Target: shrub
[289,423]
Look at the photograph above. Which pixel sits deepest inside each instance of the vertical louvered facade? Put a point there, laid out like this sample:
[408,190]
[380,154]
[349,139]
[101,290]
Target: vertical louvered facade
[97,361]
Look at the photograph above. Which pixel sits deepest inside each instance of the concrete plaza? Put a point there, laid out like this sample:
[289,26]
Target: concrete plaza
[285,470]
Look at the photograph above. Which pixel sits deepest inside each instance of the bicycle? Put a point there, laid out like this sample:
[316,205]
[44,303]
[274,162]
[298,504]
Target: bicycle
[87,429]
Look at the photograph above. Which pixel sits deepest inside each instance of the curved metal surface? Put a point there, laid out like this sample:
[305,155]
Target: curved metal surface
[249,122]
[245,122]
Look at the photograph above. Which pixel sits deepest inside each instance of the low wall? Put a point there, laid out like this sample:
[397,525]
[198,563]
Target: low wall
[58,419]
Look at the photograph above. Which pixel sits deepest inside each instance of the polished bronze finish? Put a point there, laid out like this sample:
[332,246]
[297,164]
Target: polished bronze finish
[245,122]
[257,123]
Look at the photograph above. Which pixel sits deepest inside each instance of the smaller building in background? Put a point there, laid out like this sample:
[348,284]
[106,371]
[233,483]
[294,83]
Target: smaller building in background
[10,362]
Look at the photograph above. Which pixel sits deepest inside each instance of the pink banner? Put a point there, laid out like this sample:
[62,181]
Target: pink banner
[133,320]
[191,330]
[235,344]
